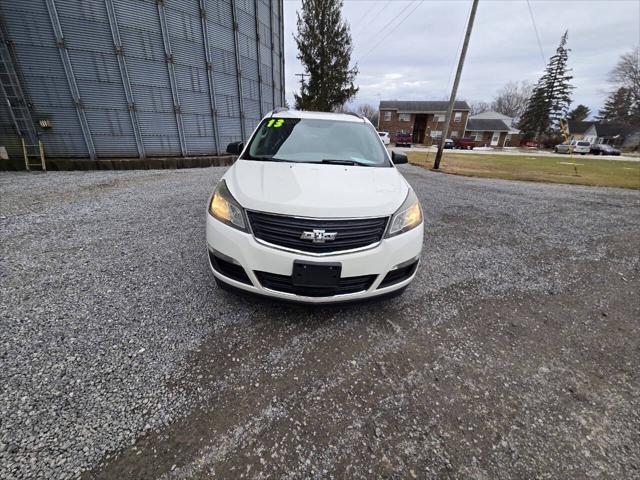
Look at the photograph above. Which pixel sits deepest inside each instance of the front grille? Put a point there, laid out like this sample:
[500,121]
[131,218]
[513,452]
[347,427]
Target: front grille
[286,231]
[228,269]
[283,283]
[398,275]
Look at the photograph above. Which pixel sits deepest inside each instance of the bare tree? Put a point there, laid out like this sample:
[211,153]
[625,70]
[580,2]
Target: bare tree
[626,73]
[625,97]
[366,110]
[478,107]
[375,119]
[511,100]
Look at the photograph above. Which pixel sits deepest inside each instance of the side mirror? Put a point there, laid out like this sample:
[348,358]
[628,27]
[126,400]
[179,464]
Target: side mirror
[235,148]
[398,158]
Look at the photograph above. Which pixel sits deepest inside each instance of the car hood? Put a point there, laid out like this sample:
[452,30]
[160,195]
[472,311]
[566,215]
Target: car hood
[312,190]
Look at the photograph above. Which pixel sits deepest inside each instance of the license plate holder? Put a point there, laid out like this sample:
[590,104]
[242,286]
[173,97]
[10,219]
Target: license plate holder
[314,274]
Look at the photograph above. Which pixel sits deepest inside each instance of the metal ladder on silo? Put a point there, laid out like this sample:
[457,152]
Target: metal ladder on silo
[18,109]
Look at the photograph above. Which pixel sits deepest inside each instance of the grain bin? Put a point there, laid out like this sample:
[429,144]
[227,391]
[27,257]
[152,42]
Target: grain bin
[137,78]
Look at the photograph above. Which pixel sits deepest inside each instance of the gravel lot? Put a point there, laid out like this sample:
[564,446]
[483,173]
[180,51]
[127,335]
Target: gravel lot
[514,354]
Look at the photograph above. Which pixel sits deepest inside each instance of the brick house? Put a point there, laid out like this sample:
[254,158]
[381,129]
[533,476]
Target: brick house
[492,129]
[424,120]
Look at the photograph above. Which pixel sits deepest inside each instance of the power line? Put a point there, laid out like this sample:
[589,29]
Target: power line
[535,29]
[362,23]
[375,34]
[384,37]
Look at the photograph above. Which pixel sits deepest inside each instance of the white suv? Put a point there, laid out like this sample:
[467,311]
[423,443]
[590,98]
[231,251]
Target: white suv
[314,211]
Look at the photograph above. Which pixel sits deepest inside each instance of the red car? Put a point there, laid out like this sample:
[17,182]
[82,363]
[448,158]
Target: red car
[464,143]
[403,138]
[529,143]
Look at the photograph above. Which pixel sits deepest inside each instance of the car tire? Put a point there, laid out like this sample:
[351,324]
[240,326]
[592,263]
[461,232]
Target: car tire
[555,150]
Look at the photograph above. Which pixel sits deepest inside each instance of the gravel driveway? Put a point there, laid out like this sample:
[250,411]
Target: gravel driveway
[514,354]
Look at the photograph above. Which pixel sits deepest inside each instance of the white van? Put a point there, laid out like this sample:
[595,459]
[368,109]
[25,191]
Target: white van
[576,146]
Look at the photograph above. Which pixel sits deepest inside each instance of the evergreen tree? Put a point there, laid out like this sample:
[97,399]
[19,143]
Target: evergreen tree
[324,48]
[617,107]
[579,114]
[535,119]
[551,97]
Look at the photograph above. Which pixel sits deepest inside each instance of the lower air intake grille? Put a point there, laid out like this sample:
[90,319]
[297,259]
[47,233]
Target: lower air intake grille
[228,269]
[398,275]
[286,232]
[283,283]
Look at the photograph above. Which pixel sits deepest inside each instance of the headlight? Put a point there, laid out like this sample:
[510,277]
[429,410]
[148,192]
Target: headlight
[226,209]
[408,216]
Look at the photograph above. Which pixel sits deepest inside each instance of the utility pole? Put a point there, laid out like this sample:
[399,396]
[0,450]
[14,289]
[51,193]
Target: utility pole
[454,90]
[302,75]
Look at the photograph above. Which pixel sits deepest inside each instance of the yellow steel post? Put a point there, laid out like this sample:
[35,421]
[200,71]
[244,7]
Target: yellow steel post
[564,129]
[41,148]
[24,153]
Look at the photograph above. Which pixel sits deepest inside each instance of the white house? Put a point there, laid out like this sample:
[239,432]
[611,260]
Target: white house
[608,133]
[492,129]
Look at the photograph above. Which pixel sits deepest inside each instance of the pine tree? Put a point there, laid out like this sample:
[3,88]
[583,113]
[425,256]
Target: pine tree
[535,119]
[579,114]
[617,107]
[551,97]
[324,48]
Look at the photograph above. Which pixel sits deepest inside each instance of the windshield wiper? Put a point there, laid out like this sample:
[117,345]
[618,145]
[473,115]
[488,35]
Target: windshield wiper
[345,162]
[266,159]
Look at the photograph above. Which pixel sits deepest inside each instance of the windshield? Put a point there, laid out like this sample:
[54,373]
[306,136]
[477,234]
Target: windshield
[317,141]
[583,144]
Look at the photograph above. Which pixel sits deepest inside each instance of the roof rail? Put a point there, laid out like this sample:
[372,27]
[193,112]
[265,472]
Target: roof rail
[278,110]
[355,115]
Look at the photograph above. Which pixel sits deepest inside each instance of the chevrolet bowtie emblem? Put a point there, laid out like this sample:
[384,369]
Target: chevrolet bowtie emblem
[318,236]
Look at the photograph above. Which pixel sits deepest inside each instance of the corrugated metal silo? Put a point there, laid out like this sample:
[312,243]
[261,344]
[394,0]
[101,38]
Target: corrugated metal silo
[138,78]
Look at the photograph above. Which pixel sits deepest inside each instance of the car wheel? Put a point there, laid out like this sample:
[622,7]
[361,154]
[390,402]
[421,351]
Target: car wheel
[555,150]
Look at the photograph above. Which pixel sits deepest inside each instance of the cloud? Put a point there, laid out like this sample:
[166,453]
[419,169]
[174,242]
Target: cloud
[418,58]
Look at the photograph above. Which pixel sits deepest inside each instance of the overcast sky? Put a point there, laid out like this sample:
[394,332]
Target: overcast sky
[413,57]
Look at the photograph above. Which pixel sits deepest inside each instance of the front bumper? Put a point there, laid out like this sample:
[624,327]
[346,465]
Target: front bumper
[242,249]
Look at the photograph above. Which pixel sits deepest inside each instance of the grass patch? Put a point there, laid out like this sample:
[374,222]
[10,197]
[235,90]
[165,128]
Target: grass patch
[590,171]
